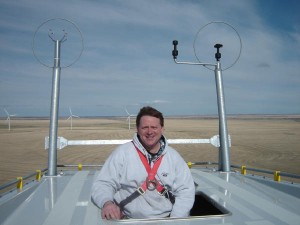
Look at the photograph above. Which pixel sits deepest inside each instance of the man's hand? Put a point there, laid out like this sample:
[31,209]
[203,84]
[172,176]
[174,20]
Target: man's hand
[111,211]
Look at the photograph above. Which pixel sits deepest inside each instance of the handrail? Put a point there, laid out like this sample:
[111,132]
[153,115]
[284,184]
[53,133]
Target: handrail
[19,180]
[80,166]
[278,173]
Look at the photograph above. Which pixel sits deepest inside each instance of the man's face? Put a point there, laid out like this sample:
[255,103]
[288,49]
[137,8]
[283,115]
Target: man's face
[150,132]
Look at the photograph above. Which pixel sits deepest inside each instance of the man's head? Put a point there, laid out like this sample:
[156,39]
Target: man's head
[150,127]
[149,111]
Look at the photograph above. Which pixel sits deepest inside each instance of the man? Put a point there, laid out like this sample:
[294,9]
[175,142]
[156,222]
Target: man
[145,178]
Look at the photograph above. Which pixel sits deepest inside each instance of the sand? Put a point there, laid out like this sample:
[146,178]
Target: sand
[266,142]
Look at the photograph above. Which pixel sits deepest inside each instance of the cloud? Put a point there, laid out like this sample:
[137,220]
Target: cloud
[263,65]
[127,57]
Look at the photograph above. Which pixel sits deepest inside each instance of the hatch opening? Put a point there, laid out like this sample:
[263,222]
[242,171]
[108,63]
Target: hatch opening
[206,206]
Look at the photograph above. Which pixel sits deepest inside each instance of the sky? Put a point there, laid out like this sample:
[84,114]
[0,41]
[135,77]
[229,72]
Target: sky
[118,54]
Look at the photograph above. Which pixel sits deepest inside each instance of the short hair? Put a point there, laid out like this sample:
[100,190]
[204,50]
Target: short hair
[149,111]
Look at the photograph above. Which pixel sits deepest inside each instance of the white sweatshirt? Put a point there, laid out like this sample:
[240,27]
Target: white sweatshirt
[123,172]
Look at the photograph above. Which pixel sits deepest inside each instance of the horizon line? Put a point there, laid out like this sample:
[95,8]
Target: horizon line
[165,116]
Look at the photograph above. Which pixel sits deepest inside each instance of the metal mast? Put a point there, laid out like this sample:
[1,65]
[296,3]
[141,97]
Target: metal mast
[52,153]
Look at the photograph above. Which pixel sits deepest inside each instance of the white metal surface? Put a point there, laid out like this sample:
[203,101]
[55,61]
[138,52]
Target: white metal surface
[65,199]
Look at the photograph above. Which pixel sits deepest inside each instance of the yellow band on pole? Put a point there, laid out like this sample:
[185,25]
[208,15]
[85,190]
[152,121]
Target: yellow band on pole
[79,167]
[38,175]
[243,170]
[189,164]
[20,182]
[277,176]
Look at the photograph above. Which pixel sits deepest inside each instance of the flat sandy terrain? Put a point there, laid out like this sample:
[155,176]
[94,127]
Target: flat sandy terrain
[271,143]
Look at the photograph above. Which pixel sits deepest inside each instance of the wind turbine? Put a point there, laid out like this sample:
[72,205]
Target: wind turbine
[8,118]
[71,117]
[128,118]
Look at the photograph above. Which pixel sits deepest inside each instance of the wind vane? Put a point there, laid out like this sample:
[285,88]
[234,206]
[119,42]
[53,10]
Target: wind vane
[224,150]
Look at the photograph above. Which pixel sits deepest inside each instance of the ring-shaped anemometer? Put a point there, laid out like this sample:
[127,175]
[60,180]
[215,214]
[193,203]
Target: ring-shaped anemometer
[218,36]
[51,38]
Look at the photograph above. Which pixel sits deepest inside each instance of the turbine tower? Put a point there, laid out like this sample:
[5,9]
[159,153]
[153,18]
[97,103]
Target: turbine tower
[71,117]
[129,117]
[8,118]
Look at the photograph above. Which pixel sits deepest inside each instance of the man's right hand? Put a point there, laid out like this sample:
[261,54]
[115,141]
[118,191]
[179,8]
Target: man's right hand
[111,211]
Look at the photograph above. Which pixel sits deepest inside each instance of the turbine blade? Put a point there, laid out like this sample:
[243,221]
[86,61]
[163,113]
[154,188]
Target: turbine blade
[6,112]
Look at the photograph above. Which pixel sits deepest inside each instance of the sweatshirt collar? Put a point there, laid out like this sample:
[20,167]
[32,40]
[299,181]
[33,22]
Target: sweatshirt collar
[151,157]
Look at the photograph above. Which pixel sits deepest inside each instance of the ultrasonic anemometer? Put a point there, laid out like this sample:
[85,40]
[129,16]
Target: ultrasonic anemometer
[52,36]
[224,149]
